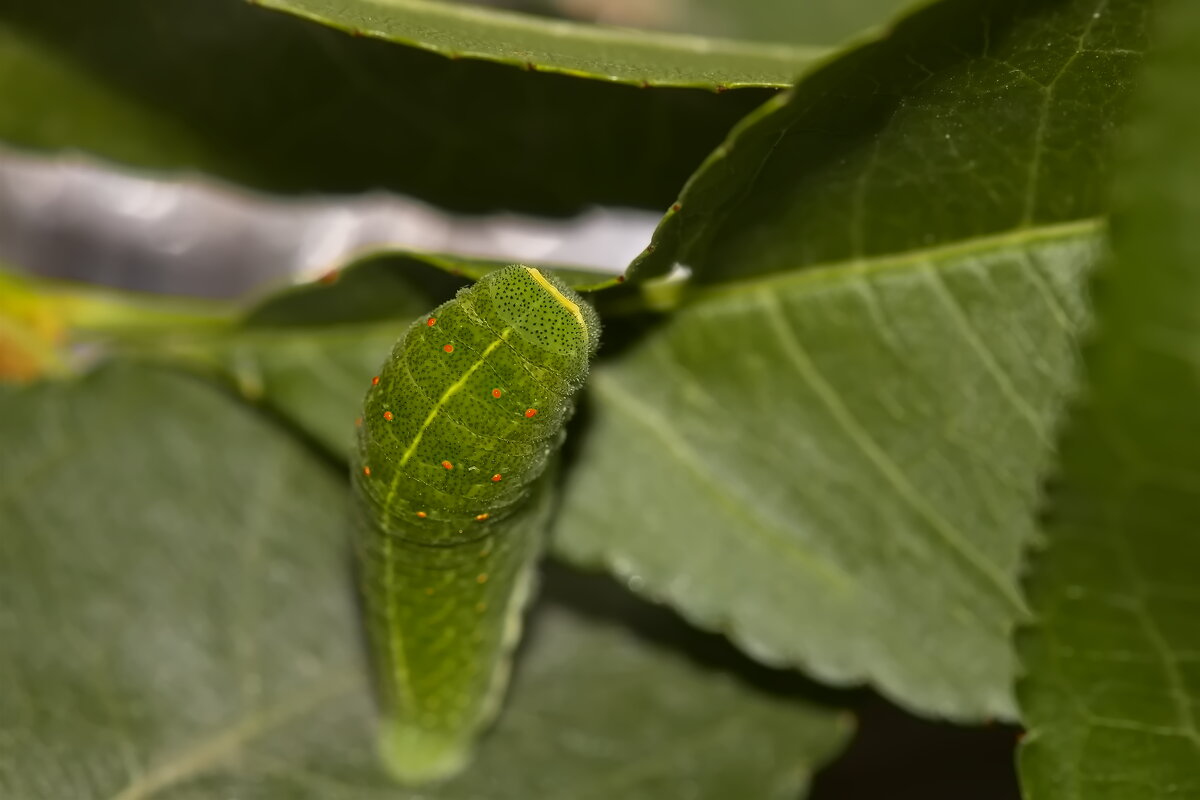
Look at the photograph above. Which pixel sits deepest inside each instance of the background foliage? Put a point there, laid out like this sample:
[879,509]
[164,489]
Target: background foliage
[828,444]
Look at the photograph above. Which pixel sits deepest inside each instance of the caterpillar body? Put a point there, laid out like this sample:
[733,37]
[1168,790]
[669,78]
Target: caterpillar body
[456,433]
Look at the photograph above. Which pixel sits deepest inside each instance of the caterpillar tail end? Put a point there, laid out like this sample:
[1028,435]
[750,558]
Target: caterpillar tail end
[415,756]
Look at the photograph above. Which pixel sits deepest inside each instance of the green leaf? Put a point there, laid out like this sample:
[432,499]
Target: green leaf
[278,103]
[837,467]
[51,327]
[179,622]
[815,22]
[968,119]
[307,353]
[831,451]
[588,51]
[1111,695]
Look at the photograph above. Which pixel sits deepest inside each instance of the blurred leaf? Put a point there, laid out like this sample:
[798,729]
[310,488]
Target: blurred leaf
[179,622]
[308,352]
[589,51]
[968,119]
[281,104]
[54,328]
[831,451]
[812,22]
[31,331]
[1112,691]
[817,22]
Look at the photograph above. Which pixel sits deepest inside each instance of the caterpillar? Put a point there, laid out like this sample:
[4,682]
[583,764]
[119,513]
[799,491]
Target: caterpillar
[456,434]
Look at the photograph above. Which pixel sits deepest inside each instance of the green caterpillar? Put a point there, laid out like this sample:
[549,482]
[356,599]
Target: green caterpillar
[456,433]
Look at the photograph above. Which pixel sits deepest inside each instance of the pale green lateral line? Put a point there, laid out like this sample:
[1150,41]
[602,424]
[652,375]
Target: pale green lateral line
[441,403]
[514,622]
[947,532]
[397,656]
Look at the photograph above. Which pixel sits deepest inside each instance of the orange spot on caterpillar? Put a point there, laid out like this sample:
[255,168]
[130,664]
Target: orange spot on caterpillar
[449,348]
[530,412]
[431,321]
[496,478]
[329,277]
[481,517]
[481,607]
[429,590]
[375,381]
[676,207]
[387,415]
[358,422]
[620,279]
[496,393]
[481,578]
[367,471]
[422,514]
[447,465]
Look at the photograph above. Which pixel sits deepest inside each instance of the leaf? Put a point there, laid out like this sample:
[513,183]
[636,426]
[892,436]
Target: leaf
[31,331]
[836,467]
[967,119]
[57,328]
[1111,694]
[179,622]
[820,22]
[277,103]
[813,23]
[588,51]
[831,450]
[308,353]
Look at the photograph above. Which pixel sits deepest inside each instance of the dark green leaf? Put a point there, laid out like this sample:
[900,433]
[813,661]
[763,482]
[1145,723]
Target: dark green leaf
[179,622]
[812,22]
[1112,692]
[590,51]
[308,352]
[970,118]
[282,104]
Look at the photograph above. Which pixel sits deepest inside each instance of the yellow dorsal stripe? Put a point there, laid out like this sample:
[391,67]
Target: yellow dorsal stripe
[557,295]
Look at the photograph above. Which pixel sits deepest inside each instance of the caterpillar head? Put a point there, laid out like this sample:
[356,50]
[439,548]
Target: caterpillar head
[543,311]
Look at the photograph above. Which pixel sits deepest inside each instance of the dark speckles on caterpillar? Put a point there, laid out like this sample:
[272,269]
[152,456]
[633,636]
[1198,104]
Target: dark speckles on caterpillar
[456,431]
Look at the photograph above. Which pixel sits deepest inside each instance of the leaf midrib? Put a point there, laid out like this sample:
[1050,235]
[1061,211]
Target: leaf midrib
[212,749]
[831,272]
